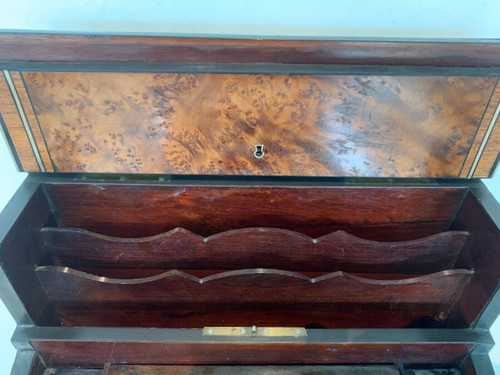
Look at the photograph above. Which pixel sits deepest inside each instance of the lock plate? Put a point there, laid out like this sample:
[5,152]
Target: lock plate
[255,331]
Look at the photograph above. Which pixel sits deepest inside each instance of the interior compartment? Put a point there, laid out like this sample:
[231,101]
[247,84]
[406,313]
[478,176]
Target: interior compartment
[314,257]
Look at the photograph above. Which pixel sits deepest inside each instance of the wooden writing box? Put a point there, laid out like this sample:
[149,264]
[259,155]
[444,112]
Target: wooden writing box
[250,206]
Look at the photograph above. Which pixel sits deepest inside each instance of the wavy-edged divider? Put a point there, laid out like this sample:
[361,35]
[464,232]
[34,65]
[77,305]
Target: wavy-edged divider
[252,292]
[254,247]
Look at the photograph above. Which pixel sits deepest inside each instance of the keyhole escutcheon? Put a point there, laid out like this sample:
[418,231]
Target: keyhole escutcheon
[259,151]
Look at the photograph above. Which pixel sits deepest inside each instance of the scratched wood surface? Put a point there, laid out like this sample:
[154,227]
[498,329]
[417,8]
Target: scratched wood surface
[262,297]
[253,248]
[405,126]
[375,213]
[272,370]
[253,370]
[60,353]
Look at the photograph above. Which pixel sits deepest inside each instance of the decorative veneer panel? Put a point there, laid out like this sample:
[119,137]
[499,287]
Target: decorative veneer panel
[317,125]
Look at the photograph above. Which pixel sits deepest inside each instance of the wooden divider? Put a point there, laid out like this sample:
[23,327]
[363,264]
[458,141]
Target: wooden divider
[255,296]
[253,248]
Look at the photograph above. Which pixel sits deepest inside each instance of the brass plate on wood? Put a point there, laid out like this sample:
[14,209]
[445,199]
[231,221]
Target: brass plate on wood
[255,331]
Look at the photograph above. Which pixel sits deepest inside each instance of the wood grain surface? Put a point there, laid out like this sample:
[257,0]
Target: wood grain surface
[38,140]
[374,213]
[406,126]
[100,48]
[253,370]
[253,248]
[258,293]
[60,353]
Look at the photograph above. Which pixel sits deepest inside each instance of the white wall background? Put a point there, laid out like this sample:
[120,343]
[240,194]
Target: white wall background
[313,18]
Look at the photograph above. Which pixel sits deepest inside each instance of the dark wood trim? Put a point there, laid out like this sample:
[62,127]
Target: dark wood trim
[479,214]
[27,362]
[10,145]
[75,48]
[477,363]
[492,208]
[96,354]
[21,248]
[247,181]
[24,334]
[8,218]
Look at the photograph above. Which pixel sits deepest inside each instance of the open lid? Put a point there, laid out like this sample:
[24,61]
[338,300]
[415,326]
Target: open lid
[150,105]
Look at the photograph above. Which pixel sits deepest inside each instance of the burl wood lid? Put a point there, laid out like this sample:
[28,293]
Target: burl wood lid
[189,112]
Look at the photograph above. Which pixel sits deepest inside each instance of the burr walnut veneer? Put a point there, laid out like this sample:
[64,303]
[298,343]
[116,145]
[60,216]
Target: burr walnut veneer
[250,206]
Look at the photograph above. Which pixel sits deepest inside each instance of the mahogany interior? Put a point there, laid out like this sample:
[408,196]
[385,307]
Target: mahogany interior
[374,213]
[397,256]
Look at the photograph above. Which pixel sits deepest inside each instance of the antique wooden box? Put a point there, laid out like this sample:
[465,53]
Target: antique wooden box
[221,206]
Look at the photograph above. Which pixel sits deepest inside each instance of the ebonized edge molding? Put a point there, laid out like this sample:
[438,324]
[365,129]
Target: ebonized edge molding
[101,48]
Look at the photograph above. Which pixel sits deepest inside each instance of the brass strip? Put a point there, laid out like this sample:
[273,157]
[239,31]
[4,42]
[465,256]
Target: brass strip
[255,331]
[485,141]
[24,120]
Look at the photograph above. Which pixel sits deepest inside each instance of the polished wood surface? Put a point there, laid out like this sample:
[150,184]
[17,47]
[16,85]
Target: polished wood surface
[100,48]
[161,299]
[276,370]
[404,126]
[262,370]
[253,370]
[373,213]
[253,248]
[344,317]
[98,353]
